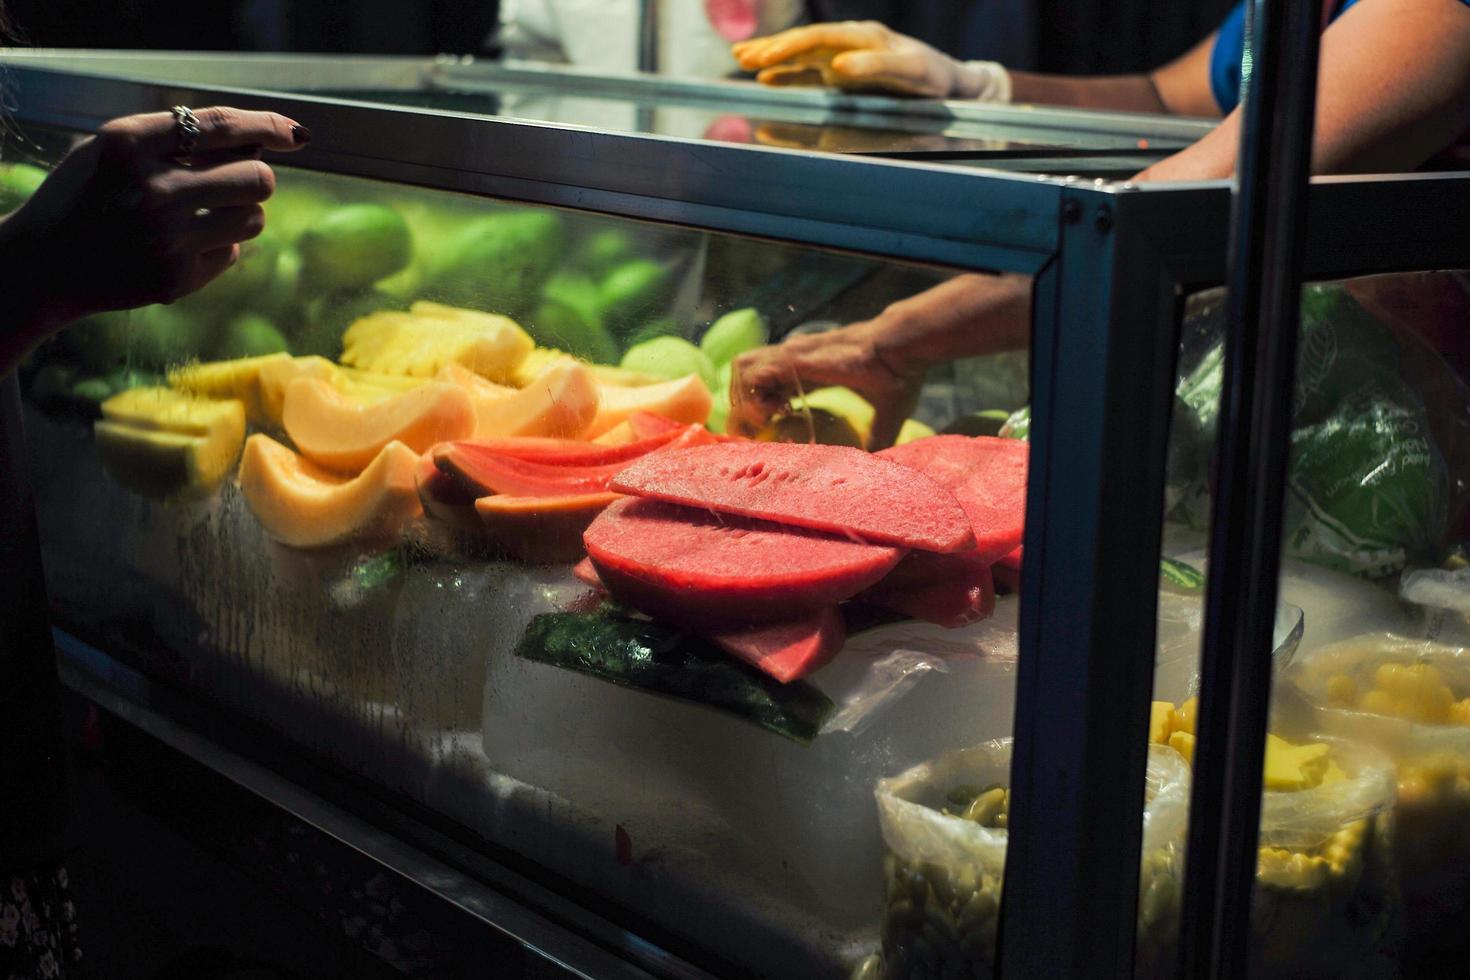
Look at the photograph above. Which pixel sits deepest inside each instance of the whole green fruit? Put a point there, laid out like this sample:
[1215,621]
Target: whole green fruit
[328,317]
[18,181]
[553,324]
[352,247]
[496,262]
[733,334]
[632,293]
[161,336]
[250,335]
[600,252]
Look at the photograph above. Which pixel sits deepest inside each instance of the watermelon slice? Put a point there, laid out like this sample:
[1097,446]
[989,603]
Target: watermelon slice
[790,650]
[444,497]
[646,425]
[1012,560]
[491,472]
[540,530]
[586,573]
[825,488]
[988,477]
[949,590]
[695,568]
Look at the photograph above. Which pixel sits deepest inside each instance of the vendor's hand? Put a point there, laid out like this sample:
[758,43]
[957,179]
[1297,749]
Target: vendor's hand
[767,378]
[864,55]
[122,222]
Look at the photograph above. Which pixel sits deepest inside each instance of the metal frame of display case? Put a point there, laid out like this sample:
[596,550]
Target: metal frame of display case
[1112,264]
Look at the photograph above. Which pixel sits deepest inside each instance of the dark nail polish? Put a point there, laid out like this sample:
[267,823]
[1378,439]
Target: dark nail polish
[300,135]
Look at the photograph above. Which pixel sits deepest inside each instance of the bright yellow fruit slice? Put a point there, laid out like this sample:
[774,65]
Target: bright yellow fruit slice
[305,506]
[422,341]
[335,432]
[238,378]
[159,441]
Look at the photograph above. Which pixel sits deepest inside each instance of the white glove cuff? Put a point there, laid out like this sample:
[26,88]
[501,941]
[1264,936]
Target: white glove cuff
[983,81]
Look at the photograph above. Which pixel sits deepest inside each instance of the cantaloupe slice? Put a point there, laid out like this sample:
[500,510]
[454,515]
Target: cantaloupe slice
[332,431]
[684,400]
[422,341]
[540,530]
[238,378]
[305,506]
[561,403]
[445,498]
[277,375]
[621,434]
[483,392]
[160,441]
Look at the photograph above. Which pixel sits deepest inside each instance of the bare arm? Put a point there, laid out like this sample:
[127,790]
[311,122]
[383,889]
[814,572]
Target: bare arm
[1181,87]
[1393,90]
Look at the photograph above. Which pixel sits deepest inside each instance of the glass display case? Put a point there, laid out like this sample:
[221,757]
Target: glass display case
[451,489]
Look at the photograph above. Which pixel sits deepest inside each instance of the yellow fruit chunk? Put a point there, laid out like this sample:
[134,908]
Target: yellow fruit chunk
[611,375]
[1183,743]
[619,435]
[538,360]
[160,441]
[334,432]
[684,400]
[277,375]
[1414,692]
[483,394]
[845,404]
[1291,767]
[1460,712]
[421,342]
[1333,774]
[562,402]
[388,383]
[1341,689]
[912,430]
[1182,720]
[1159,727]
[305,506]
[238,379]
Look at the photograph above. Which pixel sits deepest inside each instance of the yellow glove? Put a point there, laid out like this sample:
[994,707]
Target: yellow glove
[858,55]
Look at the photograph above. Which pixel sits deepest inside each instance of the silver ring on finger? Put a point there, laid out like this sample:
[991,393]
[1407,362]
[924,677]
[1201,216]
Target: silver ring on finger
[186,131]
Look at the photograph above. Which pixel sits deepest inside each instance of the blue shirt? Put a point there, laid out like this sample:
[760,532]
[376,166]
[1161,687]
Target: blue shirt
[1229,53]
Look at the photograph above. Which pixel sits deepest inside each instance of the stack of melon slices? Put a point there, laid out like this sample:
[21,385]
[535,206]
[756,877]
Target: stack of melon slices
[355,431]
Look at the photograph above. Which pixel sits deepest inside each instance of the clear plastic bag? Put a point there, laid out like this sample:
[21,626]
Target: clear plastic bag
[1431,753]
[943,872]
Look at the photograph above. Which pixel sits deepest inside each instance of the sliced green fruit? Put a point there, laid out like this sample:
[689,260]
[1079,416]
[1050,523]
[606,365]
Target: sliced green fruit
[911,430]
[576,290]
[733,334]
[353,246]
[670,357]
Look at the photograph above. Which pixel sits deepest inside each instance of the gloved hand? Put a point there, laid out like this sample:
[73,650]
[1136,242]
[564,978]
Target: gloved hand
[860,55]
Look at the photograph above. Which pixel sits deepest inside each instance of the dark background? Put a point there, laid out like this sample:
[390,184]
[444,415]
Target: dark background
[1079,36]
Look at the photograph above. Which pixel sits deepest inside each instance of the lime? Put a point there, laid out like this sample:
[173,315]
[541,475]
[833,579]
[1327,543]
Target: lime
[18,181]
[250,335]
[733,334]
[670,357]
[496,262]
[600,252]
[631,293]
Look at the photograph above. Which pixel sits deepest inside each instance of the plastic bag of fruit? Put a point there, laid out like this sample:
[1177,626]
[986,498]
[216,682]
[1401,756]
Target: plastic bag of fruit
[1411,698]
[944,830]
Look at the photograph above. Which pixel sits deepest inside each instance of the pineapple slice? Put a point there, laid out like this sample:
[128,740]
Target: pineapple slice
[160,441]
[538,360]
[238,378]
[419,343]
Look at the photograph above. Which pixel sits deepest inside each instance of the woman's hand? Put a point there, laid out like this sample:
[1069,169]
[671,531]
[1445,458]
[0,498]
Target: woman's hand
[867,55]
[767,378]
[123,222]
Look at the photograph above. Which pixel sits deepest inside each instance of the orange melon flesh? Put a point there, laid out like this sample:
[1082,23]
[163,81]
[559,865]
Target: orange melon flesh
[302,505]
[541,530]
[685,400]
[332,431]
[561,402]
[274,377]
[619,435]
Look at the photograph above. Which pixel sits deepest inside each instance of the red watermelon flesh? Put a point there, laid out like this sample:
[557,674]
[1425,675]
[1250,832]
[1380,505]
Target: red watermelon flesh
[647,425]
[700,569]
[948,590]
[573,452]
[490,473]
[789,650]
[988,477]
[587,574]
[1012,560]
[836,489]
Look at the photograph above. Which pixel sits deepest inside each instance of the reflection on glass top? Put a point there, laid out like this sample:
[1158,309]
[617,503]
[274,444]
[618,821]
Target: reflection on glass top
[791,127]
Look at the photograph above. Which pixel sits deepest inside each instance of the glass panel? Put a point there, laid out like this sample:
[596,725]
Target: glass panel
[230,493]
[1361,868]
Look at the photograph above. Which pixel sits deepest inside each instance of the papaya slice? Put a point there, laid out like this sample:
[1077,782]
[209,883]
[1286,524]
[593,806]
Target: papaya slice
[305,506]
[334,432]
[275,376]
[573,452]
[684,400]
[836,489]
[696,568]
[790,650]
[443,497]
[490,473]
[561,402]
[540,530]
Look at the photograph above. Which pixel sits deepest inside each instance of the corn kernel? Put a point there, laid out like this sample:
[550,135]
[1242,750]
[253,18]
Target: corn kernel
[1183,743]
[1182,718]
